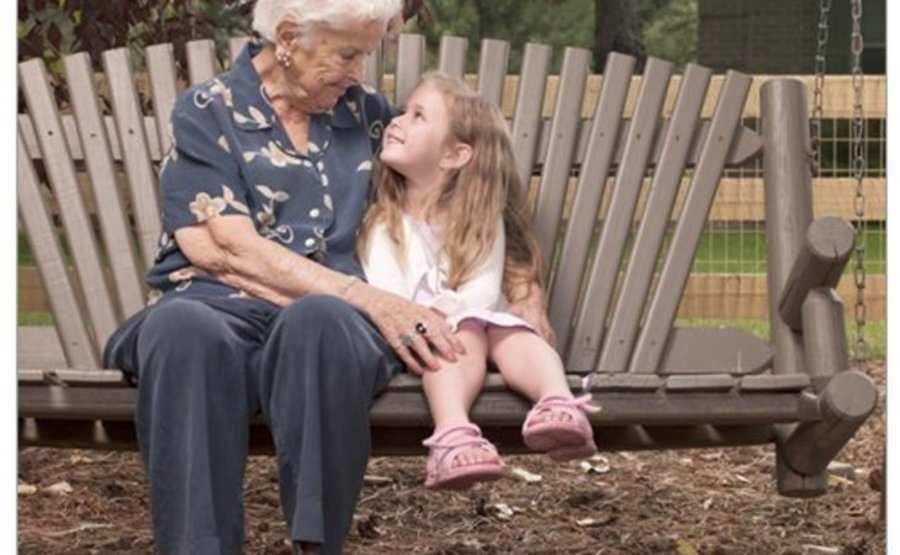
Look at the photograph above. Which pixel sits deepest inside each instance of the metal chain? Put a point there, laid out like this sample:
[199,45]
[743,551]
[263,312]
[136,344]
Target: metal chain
[819,87]
[858,171]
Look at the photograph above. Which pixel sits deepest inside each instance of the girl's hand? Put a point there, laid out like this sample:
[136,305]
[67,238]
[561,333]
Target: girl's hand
[398,319]
[530,307]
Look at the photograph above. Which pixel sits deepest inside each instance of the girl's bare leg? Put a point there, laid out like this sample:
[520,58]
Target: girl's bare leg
[452,389]
[527,363]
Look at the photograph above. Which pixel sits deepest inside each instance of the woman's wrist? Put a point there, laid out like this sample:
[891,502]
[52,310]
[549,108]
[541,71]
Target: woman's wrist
[345,287]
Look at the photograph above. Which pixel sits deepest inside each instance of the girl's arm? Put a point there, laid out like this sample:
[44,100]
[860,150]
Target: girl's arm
[528,302]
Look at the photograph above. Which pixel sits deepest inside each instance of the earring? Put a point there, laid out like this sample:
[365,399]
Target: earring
[283,57]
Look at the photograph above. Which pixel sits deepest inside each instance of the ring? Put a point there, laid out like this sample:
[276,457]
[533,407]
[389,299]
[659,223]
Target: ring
[421,329]
[406,340]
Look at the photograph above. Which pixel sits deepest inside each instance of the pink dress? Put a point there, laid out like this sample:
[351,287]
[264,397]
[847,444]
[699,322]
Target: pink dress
[421,276]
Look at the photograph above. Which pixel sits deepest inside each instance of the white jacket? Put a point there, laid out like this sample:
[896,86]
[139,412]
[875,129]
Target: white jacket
[421,278]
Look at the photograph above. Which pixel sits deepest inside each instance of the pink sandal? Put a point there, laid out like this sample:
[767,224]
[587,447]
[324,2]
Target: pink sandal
[562,440]
[446,447]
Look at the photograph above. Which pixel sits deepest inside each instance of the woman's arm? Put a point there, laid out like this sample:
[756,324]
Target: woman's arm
[230,248]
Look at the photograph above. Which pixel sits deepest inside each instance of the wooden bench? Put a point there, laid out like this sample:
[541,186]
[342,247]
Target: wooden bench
[660,386]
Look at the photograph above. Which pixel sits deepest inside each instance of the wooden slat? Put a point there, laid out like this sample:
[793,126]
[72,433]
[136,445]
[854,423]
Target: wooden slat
[552,188]
[374,72]
[677,266]
[743,148]
[235,47]
[774,382]
[76,339]
[529,97]
[623,382]
[629,308]
[721,296]
[39,347]
[141,176]
[201,56]
[588,194]
[602,277]
[492,69]
[724,350]
[410,65]
[61,171]
[408,408]
[164,89]
[452,56]
[114,224]
[711,382]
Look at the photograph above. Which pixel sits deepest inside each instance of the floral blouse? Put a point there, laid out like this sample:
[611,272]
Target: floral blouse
[231,155]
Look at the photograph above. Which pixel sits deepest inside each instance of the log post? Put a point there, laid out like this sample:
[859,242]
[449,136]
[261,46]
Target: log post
[845,403]
[788,198]
[824,337]
[819,263]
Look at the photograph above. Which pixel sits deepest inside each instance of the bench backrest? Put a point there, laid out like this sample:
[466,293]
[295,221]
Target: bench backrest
[603,304]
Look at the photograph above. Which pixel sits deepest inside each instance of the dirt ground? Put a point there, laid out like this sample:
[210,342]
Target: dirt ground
[684,502]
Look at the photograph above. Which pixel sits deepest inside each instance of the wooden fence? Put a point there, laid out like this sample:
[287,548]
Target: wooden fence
[739,201]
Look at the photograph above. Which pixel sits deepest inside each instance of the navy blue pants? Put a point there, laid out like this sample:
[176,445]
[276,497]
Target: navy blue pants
[205,365]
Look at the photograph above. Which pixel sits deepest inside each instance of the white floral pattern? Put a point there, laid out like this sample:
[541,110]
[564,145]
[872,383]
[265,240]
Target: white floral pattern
[277,157]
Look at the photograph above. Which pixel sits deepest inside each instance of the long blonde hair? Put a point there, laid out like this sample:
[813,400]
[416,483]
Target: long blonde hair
[472,198]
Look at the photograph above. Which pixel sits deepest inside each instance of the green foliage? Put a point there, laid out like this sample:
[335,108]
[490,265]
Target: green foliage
[51,29]
[670,30]
[516,21]
[669,26]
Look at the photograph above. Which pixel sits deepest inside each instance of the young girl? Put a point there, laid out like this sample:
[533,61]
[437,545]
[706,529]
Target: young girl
[447,204]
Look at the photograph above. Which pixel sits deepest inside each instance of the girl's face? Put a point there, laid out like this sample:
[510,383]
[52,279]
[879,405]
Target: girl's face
[416,143]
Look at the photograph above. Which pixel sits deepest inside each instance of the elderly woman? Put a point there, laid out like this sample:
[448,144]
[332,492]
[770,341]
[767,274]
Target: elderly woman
[259,305]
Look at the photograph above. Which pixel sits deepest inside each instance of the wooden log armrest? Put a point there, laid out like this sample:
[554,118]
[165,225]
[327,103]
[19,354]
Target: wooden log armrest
[819,263]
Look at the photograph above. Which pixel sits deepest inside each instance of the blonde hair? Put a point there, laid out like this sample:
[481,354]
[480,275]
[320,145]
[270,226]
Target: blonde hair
[472,198]
[307,14]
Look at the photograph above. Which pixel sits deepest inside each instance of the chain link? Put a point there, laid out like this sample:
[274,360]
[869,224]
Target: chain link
[858,169]
[819,87]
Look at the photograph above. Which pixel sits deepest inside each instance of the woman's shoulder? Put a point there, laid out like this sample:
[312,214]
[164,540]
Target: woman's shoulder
[369,103]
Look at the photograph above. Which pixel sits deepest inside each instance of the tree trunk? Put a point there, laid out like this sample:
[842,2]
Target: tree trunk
[617,28]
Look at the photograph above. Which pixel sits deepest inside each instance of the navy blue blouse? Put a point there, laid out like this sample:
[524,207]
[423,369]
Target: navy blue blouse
[231,155]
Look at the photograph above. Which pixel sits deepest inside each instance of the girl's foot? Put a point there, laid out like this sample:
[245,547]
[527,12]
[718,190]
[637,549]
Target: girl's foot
[459,457]
[558,426]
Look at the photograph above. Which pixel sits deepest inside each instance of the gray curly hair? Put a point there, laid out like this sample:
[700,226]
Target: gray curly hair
[267,14]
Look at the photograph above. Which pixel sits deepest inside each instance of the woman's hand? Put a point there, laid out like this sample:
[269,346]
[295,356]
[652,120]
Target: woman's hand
[399,322]
[528,304]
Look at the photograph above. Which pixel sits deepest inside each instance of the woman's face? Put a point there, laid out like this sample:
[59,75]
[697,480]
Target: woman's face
[334,60]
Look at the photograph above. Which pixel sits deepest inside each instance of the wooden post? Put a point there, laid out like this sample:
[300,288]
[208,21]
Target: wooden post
[820,263]
[824,336]
[845,403]
[788,199]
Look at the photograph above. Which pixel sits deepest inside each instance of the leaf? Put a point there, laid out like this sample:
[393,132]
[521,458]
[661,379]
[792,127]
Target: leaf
[519,474]
[598,464]
[60,488]
[684,548]
[26,489]
[265,191]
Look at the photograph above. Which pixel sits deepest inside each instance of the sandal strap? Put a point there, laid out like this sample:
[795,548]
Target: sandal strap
[551,402]
[448,443]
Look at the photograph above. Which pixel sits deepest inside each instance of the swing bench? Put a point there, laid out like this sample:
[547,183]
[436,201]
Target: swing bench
[660,386]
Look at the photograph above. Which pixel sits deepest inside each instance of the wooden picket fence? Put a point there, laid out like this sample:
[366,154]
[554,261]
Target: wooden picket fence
[739,201]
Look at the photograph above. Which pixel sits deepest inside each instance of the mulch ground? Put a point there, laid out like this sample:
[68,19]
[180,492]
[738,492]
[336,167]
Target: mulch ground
[685,502]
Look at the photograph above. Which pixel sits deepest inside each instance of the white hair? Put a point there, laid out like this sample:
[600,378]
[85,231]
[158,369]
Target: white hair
[267,14]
